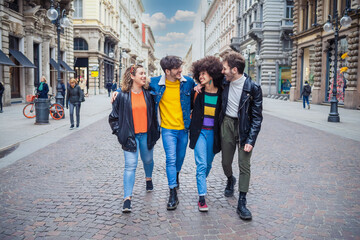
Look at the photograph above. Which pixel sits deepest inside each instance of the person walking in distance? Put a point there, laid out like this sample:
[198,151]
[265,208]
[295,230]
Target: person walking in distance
[204,127]
[240,120]
[1,96]
[73,99]
[306,91]
[108,87]
[43,88]
[134,122]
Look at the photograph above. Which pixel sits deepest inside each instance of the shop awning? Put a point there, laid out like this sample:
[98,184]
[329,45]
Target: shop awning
[54,64]
[66,67]
[22,59]
[4,60]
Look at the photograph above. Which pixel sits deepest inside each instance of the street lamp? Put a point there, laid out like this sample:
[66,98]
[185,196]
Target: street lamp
[247,56]
[59,21]
[328,27]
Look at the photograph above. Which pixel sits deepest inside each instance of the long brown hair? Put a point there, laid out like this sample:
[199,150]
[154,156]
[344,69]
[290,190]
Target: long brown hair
[127,82]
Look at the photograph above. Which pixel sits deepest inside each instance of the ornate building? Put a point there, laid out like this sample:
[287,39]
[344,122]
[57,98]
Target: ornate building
[314,49]
[148,42]
[264,28]
[28,39]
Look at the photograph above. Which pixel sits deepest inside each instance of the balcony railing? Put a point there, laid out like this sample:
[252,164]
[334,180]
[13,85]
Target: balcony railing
[256,25]
[287,22]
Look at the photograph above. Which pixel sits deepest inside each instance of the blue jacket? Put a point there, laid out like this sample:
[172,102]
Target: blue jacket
[157,89]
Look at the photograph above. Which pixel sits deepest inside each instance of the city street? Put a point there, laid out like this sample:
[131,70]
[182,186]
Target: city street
[305,184]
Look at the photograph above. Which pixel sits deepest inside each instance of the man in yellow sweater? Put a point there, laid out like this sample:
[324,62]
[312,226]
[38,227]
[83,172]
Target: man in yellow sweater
[172,97]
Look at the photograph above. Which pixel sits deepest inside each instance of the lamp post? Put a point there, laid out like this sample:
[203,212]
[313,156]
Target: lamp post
[247,57]
[328,27]
[59,21]
[123,54]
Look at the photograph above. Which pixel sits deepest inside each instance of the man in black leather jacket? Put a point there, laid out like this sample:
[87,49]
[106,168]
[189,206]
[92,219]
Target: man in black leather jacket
[240,120]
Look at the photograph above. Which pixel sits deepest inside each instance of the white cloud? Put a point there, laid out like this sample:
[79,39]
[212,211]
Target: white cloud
[156,21]
[181,15]
[171,36]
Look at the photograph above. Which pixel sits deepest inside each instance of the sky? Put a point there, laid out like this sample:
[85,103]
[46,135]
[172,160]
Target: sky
[171,22]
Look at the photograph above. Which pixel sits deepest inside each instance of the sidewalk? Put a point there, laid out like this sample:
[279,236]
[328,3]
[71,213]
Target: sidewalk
[316,117]
[19,132]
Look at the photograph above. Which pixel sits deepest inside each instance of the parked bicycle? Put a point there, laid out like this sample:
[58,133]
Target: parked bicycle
[56,110]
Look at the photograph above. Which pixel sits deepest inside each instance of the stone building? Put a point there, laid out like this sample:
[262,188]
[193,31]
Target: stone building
[187,62]
[29,40]
[213,29]
[148,42]
[107,39]
[265,28]
[314,49]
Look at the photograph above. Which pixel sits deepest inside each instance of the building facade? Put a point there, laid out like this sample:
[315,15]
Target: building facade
[265,39]
[213,30]
[148,50]
[228,29]
[29,40]
[187,63]
[313,54]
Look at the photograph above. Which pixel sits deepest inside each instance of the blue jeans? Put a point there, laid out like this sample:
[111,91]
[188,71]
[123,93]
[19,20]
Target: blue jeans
[131,160]
[175,144]
[305,98]
[71,110]
[204,156]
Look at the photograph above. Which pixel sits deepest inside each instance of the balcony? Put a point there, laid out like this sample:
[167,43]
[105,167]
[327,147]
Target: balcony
[133,19]
[256,31]
[287,24]
[235,43]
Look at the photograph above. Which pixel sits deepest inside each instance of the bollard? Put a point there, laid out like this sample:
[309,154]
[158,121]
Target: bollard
[42,110]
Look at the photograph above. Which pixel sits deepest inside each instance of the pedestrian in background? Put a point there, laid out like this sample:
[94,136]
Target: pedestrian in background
[43,88]
[1,96]
[204,127]
[63,92]
[73,99]
[108,87]
[306,91]
[240,120]
[114,86]
[133,121]
[82,85]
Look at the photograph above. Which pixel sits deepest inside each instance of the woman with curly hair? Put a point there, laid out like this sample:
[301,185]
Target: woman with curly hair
[134,122]
[204,128]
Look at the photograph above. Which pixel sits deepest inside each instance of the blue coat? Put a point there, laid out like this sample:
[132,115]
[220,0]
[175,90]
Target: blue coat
[157,89]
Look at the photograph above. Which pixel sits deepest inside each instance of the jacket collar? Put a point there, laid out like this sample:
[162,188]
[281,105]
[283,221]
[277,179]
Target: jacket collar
[162,79]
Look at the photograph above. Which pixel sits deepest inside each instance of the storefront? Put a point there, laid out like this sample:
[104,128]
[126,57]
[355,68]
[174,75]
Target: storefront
[307,67]
[284,80]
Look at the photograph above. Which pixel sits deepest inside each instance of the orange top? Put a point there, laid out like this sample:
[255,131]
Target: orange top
[139,112]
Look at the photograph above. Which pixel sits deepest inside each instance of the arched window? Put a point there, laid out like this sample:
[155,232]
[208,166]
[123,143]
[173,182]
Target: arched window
[80,44]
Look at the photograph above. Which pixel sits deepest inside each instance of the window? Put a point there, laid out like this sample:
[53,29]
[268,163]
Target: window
[245,5]
[289,9]
[255,15]
[14,5]
[78,5]
[287,44]
[245,25]
[80,44]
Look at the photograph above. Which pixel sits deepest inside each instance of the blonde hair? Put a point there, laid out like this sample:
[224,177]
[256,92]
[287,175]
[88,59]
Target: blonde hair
[127,82]
[73,80]
[43,77]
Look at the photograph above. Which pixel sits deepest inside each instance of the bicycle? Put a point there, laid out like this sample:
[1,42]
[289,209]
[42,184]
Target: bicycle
[55,109]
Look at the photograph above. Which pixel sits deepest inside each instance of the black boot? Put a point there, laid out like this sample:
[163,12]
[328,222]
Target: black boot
[243,212]
[177,181]
[173,200]
[229,190]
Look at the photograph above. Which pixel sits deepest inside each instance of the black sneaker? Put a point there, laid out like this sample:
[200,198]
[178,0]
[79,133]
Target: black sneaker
[77,125]
[71,126]
[149,186]
[127,206]
[229,190]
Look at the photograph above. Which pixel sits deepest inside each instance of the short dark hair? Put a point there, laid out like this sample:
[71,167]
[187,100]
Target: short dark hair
[212,66]
[306,82]
[170,62]
[235,60]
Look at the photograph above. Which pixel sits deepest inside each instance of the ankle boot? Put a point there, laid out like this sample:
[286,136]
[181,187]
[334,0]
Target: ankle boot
[243,212]
[229,190]
[173,200]
[177,181]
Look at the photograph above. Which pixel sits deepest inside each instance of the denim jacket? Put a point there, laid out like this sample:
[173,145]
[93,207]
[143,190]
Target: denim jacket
[157,89]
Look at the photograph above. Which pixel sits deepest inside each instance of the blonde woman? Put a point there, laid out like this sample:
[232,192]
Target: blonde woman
[43,88]
[73,99]
[134,122]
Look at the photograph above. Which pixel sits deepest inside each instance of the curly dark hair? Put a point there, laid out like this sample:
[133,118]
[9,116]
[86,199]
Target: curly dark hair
[212,66]
[235,60]
[170,62]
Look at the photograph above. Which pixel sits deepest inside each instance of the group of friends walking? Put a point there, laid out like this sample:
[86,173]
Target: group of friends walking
[222,112]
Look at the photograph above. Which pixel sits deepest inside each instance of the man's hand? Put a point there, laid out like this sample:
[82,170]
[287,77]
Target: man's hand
[198,88]
[248,148]
[113,96]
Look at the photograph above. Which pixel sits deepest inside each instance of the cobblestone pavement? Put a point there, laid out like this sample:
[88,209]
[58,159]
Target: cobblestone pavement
[305,185]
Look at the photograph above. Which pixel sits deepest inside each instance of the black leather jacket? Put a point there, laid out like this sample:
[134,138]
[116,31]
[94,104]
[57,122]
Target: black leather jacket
[249,113]
[122,123]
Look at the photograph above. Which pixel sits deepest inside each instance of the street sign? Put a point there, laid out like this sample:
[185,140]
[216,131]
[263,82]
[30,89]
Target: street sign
[94,73]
